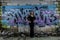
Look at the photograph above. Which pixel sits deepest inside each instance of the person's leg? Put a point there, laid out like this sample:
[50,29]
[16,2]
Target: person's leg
[31,30]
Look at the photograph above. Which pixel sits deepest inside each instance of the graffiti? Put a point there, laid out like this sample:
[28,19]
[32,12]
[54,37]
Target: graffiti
[44,16]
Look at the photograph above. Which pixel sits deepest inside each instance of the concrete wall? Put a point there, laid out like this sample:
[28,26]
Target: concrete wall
[21,2]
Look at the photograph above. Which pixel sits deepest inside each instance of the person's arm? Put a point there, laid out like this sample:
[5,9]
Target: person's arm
[28,18]
[34,17]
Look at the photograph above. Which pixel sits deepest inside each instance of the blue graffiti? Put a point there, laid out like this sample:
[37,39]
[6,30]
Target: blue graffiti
[14,15]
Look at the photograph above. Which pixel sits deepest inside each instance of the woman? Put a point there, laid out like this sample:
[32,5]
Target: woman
[31,19]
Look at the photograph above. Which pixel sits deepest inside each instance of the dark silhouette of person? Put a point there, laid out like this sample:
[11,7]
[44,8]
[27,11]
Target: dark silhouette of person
[31,19]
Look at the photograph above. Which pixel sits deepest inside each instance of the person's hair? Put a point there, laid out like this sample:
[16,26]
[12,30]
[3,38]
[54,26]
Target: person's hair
[32,12]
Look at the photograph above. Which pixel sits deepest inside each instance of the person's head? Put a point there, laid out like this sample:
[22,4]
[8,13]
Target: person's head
[32,13]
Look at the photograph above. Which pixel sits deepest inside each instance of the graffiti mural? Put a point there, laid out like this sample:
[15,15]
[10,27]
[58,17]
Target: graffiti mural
[17,15]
